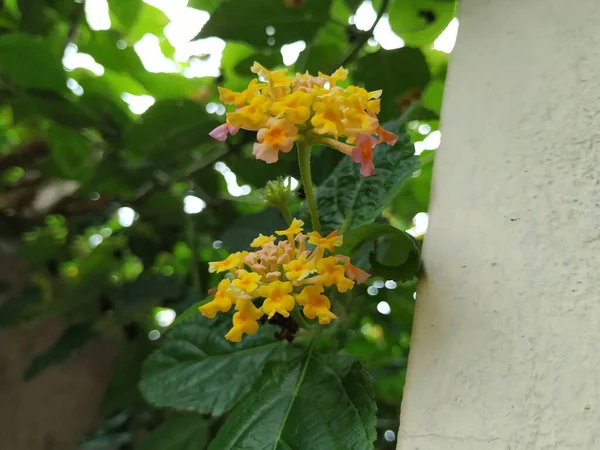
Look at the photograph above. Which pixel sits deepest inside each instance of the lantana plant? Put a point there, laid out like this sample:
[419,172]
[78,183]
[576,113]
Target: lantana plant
[280,277]
[285,371]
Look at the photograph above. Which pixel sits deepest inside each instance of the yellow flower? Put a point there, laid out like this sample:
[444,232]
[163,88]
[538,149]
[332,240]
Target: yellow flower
[244,320]
[298,269]
[339,75]
[358,122]
[277,79]
[328,119]
[239,99]
[279,135]
[246,282]
[222,302]
[295,107]
[333,274]
[232,262]
[315,304]
[333,239]
[282,273]
[277,298]
[262,240]
[294,228]
[312,109]
[251,117]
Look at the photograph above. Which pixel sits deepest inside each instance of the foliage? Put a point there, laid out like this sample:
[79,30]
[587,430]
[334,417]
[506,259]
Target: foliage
[117,212]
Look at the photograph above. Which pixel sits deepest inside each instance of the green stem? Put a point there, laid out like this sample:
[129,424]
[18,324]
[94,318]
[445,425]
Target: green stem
[285,212]
[304,163]
[299,319]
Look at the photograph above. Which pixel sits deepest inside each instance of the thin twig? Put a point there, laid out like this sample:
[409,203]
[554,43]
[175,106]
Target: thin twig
[363,38]
[76,16]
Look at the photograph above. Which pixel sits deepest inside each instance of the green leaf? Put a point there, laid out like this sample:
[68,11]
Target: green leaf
[169,127]
[233,53]
[255,172]
[32,16]
[269,59]
[348,200]
[111,82]
[420,22]
[401,252]
[418,112]
[149,20]
[11,7]
[73,338]
[243,20]
[204,5]
[170,85]
[307,403]
[413,198]
[121,391]
[191,311]
[437,62]
[397,72]
[197,369]
[354,4]
[124,12]
[433,95]
[102,45]
[112,117]
[326,50]
[41,69]
[186,432]
[341,10]
[238,235]
[71,153]
[108,441]
[110,435]
[149,289]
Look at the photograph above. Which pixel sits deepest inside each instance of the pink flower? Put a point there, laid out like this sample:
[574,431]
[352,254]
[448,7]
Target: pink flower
[353,272]
[278,136]
[386,136]
[222,131]
[363,153]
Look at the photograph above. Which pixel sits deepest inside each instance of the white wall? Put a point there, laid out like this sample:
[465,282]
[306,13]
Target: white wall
[506,344]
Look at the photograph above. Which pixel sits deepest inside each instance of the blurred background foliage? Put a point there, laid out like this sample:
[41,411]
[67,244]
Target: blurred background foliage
[115,198]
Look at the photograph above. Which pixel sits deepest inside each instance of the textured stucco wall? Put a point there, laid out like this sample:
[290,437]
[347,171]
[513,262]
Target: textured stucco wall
[506,344]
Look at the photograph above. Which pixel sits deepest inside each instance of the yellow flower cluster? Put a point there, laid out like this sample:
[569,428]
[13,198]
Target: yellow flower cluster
[284,110]
[284,274]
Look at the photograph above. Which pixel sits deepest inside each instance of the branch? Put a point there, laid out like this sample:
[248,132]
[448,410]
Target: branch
[363,38]
[76,15]
[25,156]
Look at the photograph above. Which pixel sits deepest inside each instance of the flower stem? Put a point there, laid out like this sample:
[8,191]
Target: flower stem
[299,319]
[285,212]
[304,162]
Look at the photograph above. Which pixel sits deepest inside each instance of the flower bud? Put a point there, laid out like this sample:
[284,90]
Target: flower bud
[278,192]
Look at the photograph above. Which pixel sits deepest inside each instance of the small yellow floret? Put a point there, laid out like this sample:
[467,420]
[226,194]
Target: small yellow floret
[315,304]
[246,282]
[277,298]
[298,269]
[293,229]
[261,240]
[244,320]
[333,274]
[222,302]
